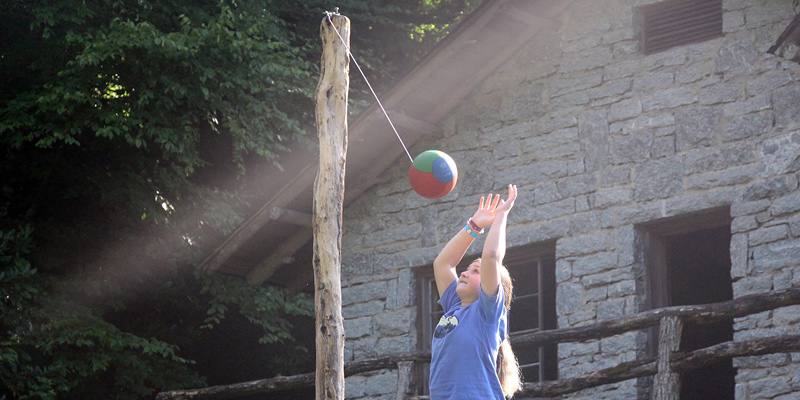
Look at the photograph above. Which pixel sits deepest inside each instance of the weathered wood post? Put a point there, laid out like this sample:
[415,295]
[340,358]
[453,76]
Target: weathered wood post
[331,115]
[667,384]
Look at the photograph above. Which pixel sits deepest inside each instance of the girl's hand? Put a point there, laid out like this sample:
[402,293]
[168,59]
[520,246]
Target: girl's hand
[486,211]
[506,205]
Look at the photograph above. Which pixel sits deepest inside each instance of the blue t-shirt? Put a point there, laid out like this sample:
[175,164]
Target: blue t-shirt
[465,345]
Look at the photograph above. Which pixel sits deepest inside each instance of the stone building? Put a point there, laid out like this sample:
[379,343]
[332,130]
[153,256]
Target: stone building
[656,147]
[650,174]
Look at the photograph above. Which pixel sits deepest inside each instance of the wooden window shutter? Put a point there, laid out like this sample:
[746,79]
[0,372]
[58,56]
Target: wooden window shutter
[673,23]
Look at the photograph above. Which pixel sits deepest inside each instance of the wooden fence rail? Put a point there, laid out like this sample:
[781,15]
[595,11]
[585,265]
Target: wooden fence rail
[677,362]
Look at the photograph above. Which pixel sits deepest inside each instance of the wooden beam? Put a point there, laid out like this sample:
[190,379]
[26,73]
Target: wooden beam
[244,232]
[404,121]
[280,256]
[700,314]
[618,373]
[532,18]
[290,216]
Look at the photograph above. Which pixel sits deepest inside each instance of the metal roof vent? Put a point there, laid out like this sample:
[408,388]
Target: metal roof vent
[673,23]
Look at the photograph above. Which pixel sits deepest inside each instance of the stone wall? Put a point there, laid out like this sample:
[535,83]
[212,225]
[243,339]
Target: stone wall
[600,138]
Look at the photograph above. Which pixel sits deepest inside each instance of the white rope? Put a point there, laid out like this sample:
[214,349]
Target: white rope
[328,14]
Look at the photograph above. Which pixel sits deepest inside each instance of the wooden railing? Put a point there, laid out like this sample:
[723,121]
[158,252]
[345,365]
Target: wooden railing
[666,367]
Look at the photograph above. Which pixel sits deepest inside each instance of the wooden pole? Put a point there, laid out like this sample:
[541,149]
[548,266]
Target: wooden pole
[667,384]
[331,115]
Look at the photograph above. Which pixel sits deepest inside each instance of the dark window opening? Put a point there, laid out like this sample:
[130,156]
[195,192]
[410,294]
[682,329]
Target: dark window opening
[688,262]
[532,269]
[674,23]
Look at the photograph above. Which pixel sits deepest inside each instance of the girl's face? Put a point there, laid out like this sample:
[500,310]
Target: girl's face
[469,283]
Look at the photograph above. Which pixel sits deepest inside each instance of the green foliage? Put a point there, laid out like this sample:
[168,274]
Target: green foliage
[264,306]
[132,135]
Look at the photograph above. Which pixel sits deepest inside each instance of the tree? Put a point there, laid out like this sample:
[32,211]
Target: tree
[129,131]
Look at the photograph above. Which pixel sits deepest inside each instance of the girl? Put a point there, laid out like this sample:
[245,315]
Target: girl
[470,356]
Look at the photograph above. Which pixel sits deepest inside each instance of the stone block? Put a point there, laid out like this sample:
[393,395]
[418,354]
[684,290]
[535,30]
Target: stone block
[362,309]
[781,154]
[618,344]
[590,221]
[625,109]
[669,98]
[765,189]
[356,263]
[777,255]
[579,349]
[748,125]
[749,207]
[786,103]
[364,347]
[724,178]
[659,179]
[653,80]
[615,175]
[354,386]
[593,134]
[609,91]
[394,323]
[610,197]
[722,92]
[735,53]
[794,226]
[663,146]
[752,285]
[693,73]
[622,69]
[696,127]
[363,293]
[563,270]
[769,388]
[574,83]
[569,298]
[748,105]
[610,309]
[596,294]
[786,204]
[719,157]
[577,185]
[555,209]
[381,384]
[396,344]
[768,82]
[769,14]
[622,289]
[768,234]
[358,327]
[401,290]
[631,148]
[582,244]
[595,263]
[739,255]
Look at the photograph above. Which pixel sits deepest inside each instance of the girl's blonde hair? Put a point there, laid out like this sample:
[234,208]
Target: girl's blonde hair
[507,365]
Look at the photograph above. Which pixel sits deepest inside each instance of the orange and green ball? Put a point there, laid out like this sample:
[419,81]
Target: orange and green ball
[433,174]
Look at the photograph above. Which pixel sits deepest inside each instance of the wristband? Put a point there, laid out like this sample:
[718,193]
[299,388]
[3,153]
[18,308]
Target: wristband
[470,231]
[474,226]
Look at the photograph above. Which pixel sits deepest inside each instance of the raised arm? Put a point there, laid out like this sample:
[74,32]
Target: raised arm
[494,249]
[444,266]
